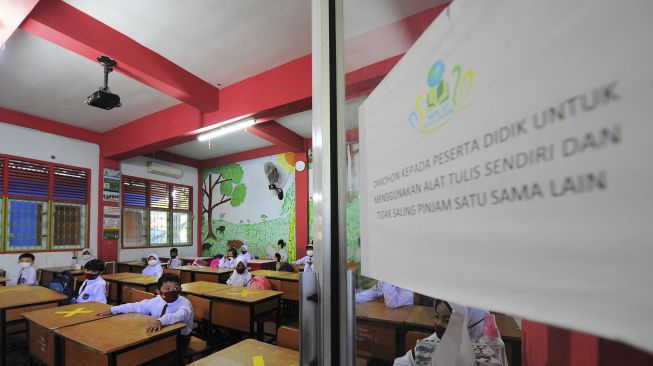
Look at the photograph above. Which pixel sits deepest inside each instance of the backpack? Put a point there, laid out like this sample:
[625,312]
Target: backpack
[259,282]
[63,283]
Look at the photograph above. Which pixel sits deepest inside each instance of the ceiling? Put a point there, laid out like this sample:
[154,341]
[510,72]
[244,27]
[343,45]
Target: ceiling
[219,41]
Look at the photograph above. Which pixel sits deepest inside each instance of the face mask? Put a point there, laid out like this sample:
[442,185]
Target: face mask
[309,253]
[86,256]
[91,276]
[170,296]
[152,262]
[439,331]
[25,264]
[240,270]
[173,256]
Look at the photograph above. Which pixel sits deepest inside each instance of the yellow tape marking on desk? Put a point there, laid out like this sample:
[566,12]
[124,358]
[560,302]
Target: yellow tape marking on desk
[258,361]
[73,312]
[242,293]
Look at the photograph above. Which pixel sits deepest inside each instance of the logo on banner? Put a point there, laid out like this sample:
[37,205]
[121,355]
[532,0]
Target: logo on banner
[444,98]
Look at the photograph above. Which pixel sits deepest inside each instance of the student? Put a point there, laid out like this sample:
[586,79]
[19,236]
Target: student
[277,258]
[27,273]
[229,261]
[281,250]
[166,309]
[215,262]
[174,261]
[153,266]
[94,287]
[393,296]
[443,312]
[307,261]
[241,276]
[244,252]
[79,262]
[286,267]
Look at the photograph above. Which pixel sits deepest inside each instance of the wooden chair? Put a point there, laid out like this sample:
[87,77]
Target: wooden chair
[138,295]
[288,337]
[2,274]
[173,271]
[39,275]
[411,339]
[198,347]
[109,267]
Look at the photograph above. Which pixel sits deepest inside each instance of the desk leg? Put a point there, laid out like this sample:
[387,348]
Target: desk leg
[3,338]
[252,321]
[179,357]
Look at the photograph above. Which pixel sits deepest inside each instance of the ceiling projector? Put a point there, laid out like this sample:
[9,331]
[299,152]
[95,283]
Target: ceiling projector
[103,97]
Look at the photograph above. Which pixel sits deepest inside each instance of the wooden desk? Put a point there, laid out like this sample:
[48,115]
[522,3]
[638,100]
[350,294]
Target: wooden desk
[115,289]
[378,329]
[16,300]
[190,260]
[208,274]
[117,340]
[133,267]
[48,274]
[239,308]
[41,325]
[139,282]
[202,288]
[243,353]
[259,264]
[4,280]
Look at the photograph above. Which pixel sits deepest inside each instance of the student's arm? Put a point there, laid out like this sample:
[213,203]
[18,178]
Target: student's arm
[405,360]
[132,307]
[395,297]
[29,277]
[300,262]
[369,294]
[230,281]
[182,315]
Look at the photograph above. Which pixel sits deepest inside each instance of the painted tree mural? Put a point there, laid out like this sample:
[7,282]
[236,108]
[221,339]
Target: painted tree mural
[231,190]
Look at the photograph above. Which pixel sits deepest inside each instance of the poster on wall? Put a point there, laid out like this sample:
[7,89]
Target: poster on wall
[111,223]
[111,185]
[508,154]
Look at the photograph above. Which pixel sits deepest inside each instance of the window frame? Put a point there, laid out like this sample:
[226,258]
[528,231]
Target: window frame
[148,208]
[6,197]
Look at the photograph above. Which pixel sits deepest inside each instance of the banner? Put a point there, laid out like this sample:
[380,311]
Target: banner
[111,223]
[111,185]
[507,160]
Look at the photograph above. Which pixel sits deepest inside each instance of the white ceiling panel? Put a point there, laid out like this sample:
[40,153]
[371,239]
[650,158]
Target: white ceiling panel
[40,78]
[232,143]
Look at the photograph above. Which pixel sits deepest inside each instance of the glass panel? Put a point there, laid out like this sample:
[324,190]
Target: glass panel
[70,184]
[181,198]
[134,227]
[181,228]
[158,227]
[159,195]
[68,225]
[27,224]
[134,192]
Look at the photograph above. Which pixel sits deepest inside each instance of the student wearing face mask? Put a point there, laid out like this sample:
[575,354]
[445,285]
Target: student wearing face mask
[241,276]
[94,287]
[79,262]
[153,266]
[443,311]
[174,261]
[244,252]
[229,260]
[27,272]
[393,296]
[166,309]
[307,261]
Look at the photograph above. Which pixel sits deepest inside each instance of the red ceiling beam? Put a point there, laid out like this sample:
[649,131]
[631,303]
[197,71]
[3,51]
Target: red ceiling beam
[70,28]
[12,13]
[174,158]
[279,135]
[49,126]
[241,156]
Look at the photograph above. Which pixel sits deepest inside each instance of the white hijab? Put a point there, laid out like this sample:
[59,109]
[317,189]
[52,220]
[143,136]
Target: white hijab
[154,270]
[474,318]
[239,279]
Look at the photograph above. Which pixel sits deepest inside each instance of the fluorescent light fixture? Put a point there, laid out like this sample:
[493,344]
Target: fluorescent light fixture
[240,125]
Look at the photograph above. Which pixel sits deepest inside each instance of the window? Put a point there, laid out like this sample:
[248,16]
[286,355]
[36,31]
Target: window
[43,206]
[155,214]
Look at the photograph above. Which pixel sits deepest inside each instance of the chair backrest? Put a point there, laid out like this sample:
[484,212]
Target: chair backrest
[109,267]
[138,295]
[412,338]
[173,271]
[39,274]
[201,307]
[107,290]
[2,273]
[288,337]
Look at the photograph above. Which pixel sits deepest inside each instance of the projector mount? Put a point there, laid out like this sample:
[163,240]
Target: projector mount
[103,98]
[108,64]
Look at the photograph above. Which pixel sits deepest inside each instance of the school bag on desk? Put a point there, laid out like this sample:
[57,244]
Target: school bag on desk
[259,282]
[63,283]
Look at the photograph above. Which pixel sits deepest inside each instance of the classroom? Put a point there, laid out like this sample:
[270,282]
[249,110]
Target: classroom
[326,182]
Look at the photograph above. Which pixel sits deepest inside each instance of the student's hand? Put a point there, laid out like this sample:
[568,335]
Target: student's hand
[104,313]
[154,326]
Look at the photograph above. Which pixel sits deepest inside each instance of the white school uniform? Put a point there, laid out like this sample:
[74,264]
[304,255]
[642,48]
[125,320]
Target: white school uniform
[180,311]
[174,263]
[27,276]
[81,261]
[284,254]
[393,296]
[93,290]
[155,270]
[307,262]
[227,263]
[474,318]
[238,279]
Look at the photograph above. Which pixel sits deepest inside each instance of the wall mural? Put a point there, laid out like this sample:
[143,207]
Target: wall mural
[238,208]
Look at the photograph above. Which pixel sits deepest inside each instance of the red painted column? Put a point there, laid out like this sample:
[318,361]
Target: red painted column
[301,207]
[107,249]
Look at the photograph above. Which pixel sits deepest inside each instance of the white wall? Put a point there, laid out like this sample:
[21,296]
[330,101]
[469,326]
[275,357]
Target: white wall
[137,167]
[28,143]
